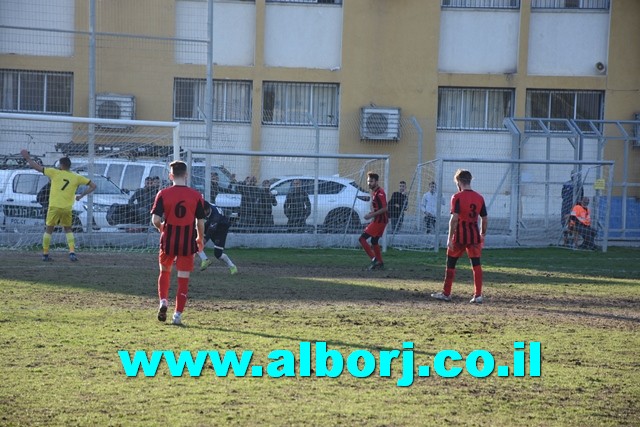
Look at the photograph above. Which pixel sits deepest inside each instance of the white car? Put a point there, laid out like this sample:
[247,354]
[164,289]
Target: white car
[341,202]
[22,212]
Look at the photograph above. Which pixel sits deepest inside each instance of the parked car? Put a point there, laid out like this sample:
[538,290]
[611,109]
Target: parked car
[129,175]
[341,202]
[21,211]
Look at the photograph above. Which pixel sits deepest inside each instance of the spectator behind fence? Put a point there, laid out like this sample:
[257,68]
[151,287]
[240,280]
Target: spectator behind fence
[580,222]
[297,205]
[572,192]
[429,207]
[142,200]
[43,198]
[397,206]
[266,202]
[136,211]
[215,187]
[249,201]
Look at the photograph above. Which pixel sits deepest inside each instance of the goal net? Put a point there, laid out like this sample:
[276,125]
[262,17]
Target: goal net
[288,200]
[528,202]
[116,154]
[272,199]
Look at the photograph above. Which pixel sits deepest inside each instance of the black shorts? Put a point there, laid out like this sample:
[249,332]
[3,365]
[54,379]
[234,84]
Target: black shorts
[219,235]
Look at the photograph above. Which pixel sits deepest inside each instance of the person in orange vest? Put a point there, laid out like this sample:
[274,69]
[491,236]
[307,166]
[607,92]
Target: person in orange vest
[580,218]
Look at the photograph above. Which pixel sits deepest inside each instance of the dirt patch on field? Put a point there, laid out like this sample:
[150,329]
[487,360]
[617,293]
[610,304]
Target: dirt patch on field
[285,286]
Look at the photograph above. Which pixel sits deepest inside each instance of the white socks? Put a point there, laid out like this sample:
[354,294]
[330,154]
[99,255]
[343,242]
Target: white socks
[224,258]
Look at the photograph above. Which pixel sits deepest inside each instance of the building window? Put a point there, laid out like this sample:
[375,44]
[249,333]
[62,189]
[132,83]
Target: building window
[231,100]
[481,4]
[300,104]
[570,4]
[47,92]
[474,108]
[564,104]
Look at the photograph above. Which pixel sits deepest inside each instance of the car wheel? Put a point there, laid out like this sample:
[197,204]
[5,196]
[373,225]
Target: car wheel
[339,220]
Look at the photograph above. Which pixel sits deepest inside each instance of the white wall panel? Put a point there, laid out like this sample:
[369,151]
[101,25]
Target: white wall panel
[303,36]
[567,43]
[478,42]
[49,14]
[234,33]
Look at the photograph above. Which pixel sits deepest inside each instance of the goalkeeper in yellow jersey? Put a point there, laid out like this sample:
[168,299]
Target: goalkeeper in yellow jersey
[64,184]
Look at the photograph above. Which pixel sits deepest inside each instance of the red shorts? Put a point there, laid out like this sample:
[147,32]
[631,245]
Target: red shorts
[473,251]
[183,262]
[375,229]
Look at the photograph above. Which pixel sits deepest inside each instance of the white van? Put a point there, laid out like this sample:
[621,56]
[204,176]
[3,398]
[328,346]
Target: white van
[20,210]
[127,174]
[130,175]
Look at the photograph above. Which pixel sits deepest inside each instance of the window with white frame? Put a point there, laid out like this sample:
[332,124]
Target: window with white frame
[570,4]
[481,4]
[49,92]
[564,104]
[300,104]
[231,100]
[474,108]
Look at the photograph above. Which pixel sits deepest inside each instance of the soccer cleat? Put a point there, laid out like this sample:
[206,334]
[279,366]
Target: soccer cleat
[73,257]
[162,313]
[441,296]
[177,318]
[205,264]
[375,265]
[46,258]
[476,299]
[233,269]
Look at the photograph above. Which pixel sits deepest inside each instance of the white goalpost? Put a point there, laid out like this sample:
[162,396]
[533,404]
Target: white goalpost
[99,148]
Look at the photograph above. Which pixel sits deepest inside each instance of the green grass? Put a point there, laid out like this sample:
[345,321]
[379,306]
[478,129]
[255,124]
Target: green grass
[62,325]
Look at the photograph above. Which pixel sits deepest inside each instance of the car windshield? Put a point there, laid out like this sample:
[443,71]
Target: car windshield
[103,186]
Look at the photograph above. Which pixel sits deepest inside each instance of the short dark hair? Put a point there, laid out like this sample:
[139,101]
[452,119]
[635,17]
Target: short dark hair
[178,168]
[65,163]
[403,182]
[464,176]
[373,175]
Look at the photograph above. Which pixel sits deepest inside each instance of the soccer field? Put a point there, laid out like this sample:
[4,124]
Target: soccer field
[302,313]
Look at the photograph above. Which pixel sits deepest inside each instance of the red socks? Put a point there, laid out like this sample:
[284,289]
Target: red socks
[181,297]
[378,253]
[477,280]
[366,247]
[164,280]
[449,275]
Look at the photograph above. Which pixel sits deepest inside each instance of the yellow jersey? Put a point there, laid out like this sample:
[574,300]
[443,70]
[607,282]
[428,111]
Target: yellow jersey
[64,184]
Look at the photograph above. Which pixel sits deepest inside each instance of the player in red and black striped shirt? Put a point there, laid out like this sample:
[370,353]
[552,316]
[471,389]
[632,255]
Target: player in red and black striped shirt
[181,236]
[464,235]
[375,229]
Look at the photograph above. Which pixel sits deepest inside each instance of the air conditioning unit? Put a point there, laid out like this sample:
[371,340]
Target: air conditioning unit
[116,107]
[380,123]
